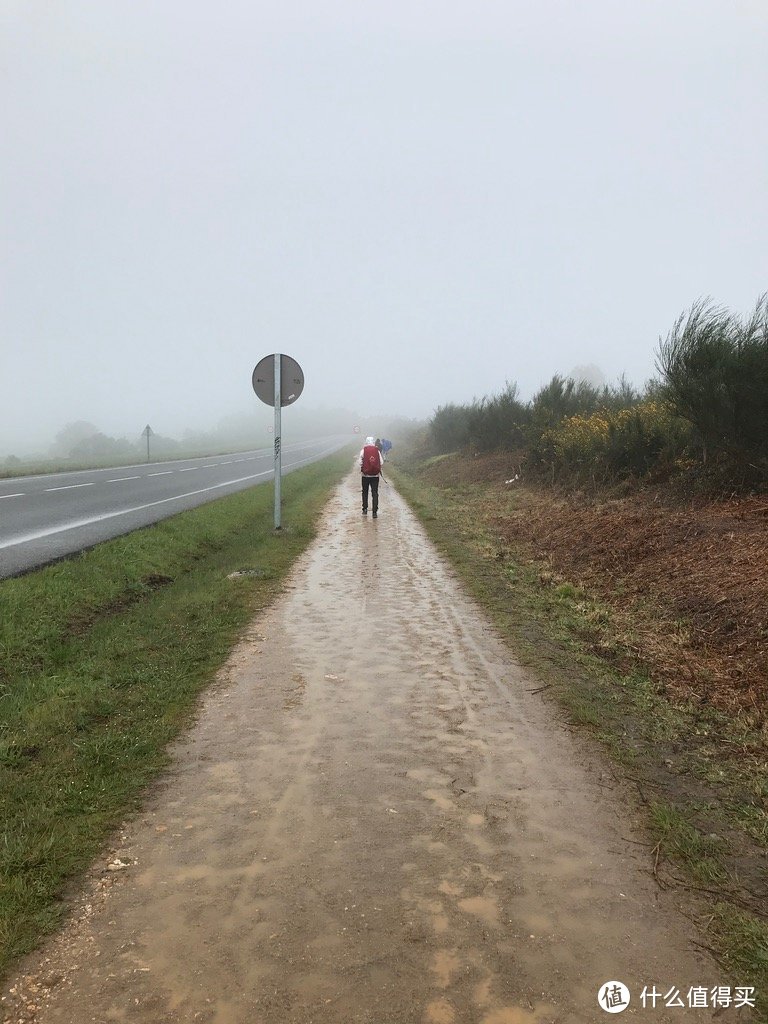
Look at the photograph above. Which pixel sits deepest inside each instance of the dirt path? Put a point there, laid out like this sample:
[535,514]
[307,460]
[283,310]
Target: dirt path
[374,820]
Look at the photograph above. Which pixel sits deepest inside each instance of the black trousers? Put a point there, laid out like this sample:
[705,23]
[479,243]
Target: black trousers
[373,483]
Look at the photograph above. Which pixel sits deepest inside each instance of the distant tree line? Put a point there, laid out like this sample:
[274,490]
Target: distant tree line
[82,441]
[706,416]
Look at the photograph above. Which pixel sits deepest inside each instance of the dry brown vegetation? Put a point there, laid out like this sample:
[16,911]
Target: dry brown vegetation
[687,577]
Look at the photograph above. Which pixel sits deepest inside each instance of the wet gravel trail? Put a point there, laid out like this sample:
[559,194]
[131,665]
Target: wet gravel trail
[374,820]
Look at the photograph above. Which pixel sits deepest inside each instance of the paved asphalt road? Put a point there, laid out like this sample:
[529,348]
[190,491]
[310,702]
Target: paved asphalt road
[43,518]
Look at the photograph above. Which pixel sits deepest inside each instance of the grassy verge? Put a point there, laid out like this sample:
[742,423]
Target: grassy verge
[102,658]
[701,774]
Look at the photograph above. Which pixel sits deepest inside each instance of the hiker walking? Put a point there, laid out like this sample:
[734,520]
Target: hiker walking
[370,468]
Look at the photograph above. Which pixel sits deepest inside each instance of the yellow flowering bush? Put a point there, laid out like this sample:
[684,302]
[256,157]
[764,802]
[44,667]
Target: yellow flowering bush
[627,442]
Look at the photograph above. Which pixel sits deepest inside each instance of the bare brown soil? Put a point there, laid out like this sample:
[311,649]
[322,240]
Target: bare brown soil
[692,574]
[376,819]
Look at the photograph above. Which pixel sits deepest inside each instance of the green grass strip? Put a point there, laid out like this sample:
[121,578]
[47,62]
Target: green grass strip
[102,658]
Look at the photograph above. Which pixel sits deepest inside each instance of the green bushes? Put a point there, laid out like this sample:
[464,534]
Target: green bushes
[714,368]
[499,421]
[560,398]
[487,424]
[707,415]
[449,428]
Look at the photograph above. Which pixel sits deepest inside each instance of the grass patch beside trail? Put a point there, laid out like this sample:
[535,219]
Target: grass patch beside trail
[102,658]
[700,773]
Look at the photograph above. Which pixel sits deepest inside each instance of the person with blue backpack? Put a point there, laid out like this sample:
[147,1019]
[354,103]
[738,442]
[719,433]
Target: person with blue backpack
[370,468]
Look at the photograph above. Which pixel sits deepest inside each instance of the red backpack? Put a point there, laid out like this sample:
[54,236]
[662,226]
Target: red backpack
[371,460]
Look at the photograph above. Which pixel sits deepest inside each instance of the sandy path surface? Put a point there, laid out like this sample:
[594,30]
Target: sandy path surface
[374,820]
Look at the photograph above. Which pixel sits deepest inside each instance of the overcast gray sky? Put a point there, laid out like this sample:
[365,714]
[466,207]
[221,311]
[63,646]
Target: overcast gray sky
[416,200]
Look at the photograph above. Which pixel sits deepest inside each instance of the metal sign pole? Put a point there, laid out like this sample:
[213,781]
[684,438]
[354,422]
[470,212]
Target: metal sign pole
[147,432]
[267,381]
[278,456]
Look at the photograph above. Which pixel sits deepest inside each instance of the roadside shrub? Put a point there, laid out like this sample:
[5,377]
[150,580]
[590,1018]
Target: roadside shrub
[559,399]
[449,428]
[646,437]
[714,367]
[615,445]
[622,396]
[503,421]
[498,422]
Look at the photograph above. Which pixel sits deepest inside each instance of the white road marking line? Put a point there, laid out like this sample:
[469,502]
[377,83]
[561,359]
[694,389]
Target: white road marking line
[23,539]
[165,472]
[20,494]
[192,469]
[69,487]
[119,479]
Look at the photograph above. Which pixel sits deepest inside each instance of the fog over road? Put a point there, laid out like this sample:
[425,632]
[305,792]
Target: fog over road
[43,518]
[376,819]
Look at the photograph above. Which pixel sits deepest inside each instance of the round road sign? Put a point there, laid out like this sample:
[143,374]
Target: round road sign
[291,380]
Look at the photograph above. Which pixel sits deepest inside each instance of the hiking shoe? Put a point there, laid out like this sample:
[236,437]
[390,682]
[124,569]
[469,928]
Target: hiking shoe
[375,515]
[365,511]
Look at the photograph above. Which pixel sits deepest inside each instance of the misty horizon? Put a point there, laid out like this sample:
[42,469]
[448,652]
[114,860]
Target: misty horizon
[417,204]
[255,425]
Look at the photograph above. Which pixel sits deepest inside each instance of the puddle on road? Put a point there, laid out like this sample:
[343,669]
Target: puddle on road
[450,889]
[484,907]
[439,799]
[439,1011]
[445,964]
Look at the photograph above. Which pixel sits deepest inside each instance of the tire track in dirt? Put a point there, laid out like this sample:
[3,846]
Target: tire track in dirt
[372,821]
